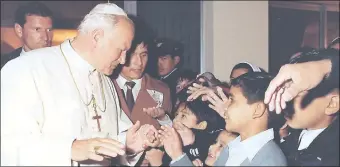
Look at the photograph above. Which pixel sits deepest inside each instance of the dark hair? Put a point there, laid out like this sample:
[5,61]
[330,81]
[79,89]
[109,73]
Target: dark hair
[253,86]
[168,46]
[245,66]
[242,65]
[325,87]
[143,34]
[32,8]
[187,74]
[203,112]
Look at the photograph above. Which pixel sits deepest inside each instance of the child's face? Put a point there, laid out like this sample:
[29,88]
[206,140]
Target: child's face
[314,115]
[214,150]
[238,111]
[185,116]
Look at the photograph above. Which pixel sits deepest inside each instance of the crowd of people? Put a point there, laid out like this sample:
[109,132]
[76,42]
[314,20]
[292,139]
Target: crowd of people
[117,95]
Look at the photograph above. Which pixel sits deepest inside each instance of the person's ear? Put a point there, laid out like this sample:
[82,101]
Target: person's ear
[96,35]
[259,110]
[333,105]
[177,60]
[18,30]
[202,125]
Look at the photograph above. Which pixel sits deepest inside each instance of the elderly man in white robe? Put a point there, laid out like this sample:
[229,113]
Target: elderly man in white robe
[58,107]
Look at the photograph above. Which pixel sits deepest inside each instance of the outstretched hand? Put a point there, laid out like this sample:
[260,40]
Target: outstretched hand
[138,137]
[155,112]
[171,141]
[186,134]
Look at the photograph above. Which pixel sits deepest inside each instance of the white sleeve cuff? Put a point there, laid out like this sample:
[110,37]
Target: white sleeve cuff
[179,158]
[167,121]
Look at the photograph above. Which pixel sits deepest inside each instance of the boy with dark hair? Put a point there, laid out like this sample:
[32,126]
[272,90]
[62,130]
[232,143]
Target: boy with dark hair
[248,116]
[316,113]
[33,25]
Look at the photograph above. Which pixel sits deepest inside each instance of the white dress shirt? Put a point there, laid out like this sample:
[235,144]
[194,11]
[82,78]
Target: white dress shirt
[135,90]
[241,150]
[307,137]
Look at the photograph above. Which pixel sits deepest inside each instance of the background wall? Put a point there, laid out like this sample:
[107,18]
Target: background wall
[234,31]
[179,20]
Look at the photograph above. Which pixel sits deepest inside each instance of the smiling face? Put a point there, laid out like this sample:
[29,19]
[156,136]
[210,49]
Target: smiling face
[215,149]
[238,112]
[138,61]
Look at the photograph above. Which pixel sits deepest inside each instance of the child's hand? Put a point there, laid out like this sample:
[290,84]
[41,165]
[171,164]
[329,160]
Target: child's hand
[186,134]
[154,156]
[172,142]
[197,162]
[155,112]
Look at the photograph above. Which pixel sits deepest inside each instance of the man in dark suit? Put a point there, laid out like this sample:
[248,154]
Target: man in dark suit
[33,25]
[169,53]
[315,112]
[142,97]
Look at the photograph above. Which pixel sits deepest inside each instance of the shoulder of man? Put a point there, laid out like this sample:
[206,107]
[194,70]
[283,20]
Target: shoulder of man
[32,58]
[9,56]
[270,154]
[157,84]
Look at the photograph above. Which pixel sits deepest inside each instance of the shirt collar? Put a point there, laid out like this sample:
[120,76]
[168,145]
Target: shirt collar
[22,51]
[307,137]
[121,82]
[74,57]
[252,145]
[169,73]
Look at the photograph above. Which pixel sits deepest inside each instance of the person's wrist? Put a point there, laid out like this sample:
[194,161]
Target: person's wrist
[162,117]
[176,155]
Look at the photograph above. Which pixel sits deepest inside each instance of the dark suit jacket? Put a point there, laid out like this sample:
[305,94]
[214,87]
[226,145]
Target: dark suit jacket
[323,151]
[144,100]
[7,57]
[171,80]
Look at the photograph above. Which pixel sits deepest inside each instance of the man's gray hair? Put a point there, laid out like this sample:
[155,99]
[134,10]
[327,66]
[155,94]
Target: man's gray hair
[101,16]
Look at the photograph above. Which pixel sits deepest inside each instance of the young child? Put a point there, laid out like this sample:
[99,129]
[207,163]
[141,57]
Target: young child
[316,113]
[215,149]
[203,122]
[246,115]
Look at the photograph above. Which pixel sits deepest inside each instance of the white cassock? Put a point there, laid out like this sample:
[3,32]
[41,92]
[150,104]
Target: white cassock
[42,111]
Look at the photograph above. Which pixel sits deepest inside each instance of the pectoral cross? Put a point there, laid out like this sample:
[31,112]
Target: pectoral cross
[97,117]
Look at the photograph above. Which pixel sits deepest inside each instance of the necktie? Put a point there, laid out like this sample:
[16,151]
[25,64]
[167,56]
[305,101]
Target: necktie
[129,96]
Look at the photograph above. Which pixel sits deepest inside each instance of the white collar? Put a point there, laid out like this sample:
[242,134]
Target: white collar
[252,145]
[121,82]
[22,51]
[73,56]
[169,73]
[307,137]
